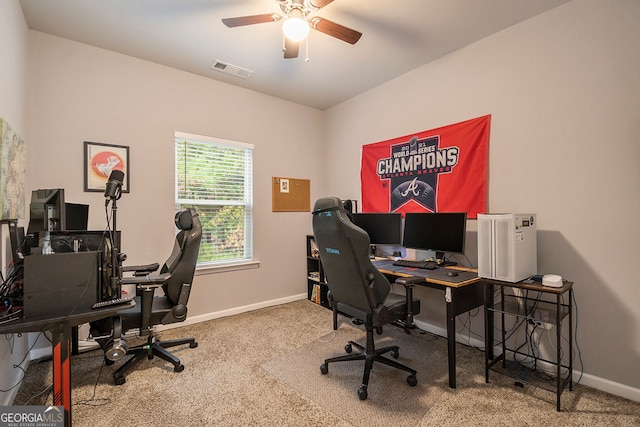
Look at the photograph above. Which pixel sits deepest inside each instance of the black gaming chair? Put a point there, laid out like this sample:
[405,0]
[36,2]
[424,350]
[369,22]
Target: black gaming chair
[175,279]
[357,288]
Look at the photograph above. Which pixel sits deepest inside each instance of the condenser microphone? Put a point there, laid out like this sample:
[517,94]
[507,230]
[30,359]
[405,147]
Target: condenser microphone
[114,185]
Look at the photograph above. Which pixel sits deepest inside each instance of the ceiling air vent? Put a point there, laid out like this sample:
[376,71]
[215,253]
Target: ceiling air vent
[233,70]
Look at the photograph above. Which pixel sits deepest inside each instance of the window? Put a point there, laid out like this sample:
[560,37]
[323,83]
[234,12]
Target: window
[215,177]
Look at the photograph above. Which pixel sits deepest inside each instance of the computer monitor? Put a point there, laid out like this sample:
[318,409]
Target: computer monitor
[46,211]
[77,216]
[440,232]
[382,228]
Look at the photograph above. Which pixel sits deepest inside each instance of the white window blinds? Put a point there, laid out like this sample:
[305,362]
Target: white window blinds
[215,177]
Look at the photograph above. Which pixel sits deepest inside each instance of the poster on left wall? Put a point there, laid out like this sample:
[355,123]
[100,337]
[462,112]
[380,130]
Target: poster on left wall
[13,166]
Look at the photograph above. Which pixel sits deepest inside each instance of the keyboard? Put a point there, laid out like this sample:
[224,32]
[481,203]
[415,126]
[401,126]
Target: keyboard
[110,302]
[427,265]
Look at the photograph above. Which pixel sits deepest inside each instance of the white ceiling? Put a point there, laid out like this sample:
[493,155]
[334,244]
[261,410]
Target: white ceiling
[398,36]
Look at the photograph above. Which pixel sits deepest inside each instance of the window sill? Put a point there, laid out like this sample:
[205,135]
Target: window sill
[223,268]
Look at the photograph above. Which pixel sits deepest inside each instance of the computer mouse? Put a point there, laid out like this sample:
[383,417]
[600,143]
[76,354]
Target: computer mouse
[452,273]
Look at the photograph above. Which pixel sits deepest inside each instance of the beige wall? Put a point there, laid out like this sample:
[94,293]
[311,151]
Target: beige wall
[13,46]
[563,91]
[80,93]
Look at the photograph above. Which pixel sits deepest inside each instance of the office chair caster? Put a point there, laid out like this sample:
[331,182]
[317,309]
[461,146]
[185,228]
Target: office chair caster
[178,368]
[395,353]
[348,348]
[412,380]
[324,369]
[119,379]
[362,393]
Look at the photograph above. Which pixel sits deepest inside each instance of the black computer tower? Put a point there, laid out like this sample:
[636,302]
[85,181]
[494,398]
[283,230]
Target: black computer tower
[61,284]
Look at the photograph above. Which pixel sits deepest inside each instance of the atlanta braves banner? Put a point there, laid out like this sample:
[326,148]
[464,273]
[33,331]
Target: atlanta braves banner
[439,170]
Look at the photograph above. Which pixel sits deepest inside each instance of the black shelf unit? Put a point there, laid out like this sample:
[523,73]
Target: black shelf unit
[316,281]
[538,310]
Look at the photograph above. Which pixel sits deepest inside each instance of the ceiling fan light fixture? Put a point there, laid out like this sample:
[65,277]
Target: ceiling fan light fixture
[295,27]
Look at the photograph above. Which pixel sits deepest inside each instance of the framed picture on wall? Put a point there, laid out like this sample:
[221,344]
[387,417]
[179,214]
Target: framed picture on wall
[100,160]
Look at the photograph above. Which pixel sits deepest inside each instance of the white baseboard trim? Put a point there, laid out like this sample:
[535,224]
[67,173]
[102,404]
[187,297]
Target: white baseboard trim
[40,353]
[602,384]
[232,311]
[628,392]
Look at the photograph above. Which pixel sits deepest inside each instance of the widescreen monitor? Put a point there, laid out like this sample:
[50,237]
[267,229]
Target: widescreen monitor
[440,232]
[382,228]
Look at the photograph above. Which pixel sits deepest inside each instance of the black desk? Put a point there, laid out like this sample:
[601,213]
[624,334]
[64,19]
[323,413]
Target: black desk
[461,294]
[60,328]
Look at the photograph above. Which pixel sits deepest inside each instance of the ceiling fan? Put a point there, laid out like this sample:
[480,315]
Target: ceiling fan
[297,23]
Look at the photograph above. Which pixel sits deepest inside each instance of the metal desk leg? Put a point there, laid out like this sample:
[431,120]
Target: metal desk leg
[451,337]
[61,343]
[570,339]
[558,352]
[488,329]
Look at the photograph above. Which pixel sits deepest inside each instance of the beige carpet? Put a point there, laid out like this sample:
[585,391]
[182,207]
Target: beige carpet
[262,369]
[391,401]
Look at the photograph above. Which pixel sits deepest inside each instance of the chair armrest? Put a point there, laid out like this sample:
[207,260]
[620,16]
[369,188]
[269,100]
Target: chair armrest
[149,279]
[140,270]
[409,281]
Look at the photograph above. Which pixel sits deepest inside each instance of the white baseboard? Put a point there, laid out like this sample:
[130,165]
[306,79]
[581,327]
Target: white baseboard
[40,353]
[602,384]
[628,392]
[235,310]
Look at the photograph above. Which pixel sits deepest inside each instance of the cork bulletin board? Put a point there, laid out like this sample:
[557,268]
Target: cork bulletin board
[290,194]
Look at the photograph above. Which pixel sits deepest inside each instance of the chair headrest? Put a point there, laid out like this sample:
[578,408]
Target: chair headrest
[184,220]
[327,204]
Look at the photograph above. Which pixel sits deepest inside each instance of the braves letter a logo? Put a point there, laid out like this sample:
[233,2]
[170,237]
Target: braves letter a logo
[413,170]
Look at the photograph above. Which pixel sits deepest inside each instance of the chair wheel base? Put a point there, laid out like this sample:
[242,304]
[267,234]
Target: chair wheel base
[119,379]
[412,380]
[362,393]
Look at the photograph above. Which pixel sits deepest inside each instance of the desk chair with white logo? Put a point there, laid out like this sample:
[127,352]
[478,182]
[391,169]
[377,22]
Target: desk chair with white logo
[357,288]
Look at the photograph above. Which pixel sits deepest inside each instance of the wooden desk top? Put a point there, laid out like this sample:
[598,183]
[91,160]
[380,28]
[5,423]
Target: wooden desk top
[467,276]
[535,286]
[386,267]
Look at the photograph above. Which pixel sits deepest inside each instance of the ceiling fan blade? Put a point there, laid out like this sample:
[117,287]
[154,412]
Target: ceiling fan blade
[335,30]
[290,48]
[250,20]
[319,4]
